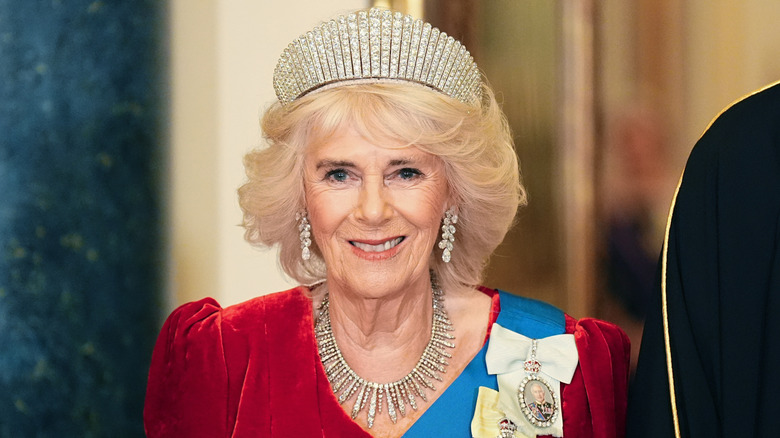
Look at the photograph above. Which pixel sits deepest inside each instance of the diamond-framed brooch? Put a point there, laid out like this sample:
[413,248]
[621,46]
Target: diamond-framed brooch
[538,401]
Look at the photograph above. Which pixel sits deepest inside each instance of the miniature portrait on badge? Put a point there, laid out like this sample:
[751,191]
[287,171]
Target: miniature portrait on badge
[538,401]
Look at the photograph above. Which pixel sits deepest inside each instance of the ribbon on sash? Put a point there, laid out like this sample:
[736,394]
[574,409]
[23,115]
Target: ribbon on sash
[488,418]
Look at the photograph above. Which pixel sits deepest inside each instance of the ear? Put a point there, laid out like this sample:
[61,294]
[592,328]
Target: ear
[450,205]
[451,201]
[304,204]
[452,209]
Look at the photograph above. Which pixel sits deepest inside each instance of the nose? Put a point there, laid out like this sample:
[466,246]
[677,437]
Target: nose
[374,206]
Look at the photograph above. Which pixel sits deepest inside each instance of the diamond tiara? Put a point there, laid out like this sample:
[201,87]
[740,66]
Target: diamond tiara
[377,45]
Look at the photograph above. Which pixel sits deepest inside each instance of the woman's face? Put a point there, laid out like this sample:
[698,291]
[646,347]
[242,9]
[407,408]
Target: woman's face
[375,212]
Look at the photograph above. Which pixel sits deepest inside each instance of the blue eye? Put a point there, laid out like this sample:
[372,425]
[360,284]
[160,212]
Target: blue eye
[408,173]
[339,175]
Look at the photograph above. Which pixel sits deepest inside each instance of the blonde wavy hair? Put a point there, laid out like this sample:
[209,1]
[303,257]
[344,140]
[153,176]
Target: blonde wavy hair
[474,143]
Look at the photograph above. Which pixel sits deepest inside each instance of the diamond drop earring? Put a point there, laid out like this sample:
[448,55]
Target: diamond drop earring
[448,234]
[305,234]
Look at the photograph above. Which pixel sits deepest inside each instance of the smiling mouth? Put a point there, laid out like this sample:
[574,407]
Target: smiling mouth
[378,247]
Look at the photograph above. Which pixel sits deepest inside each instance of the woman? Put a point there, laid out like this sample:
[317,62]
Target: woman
[710,348]
[390,178]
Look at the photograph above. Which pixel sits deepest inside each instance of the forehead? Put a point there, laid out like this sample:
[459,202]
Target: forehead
[347,143]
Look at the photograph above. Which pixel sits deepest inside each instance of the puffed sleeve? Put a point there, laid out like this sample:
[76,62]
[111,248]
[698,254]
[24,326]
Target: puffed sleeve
[594,403]
[187,391]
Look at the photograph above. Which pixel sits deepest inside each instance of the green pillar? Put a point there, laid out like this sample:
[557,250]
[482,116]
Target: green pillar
[83,147]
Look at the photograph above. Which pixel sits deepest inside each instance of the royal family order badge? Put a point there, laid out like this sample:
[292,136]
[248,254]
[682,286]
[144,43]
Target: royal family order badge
[538,400]
[529,373]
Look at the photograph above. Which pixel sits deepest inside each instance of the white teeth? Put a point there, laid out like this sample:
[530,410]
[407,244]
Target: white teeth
[377,248]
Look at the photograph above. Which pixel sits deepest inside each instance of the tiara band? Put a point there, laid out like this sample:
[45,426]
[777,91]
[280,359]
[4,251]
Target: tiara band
[376,45]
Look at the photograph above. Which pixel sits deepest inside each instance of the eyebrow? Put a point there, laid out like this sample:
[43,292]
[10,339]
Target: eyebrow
[400,162]
[349,164]
[334,163]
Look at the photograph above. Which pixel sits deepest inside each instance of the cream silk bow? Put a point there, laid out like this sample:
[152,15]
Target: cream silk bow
[506,356]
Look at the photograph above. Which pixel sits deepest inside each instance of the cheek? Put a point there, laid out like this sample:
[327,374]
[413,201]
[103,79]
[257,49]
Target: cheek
[426,210]
[326,210]
[318,213]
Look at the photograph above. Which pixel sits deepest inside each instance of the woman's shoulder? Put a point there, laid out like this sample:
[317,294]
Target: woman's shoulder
[598,390]
[207,326]
[208,312]
[596,329]
[201,338]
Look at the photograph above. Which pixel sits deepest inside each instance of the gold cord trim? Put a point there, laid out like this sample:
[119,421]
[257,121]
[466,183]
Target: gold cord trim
[665,313]
[664,305]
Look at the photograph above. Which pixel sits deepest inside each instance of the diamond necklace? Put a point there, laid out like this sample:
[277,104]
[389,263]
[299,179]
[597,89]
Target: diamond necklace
[396,395]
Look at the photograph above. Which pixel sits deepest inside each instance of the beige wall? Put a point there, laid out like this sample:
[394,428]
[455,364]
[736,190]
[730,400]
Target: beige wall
[222,56]
[686,59]
[731,49]
[224,51]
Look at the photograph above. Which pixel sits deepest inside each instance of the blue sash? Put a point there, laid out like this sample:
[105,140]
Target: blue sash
[452,412]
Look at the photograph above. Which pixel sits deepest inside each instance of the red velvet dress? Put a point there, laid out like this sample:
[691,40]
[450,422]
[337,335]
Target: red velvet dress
[252,370]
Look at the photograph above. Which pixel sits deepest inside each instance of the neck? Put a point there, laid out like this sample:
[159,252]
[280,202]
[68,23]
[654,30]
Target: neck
[372,370]
[368,320]
[391,330]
